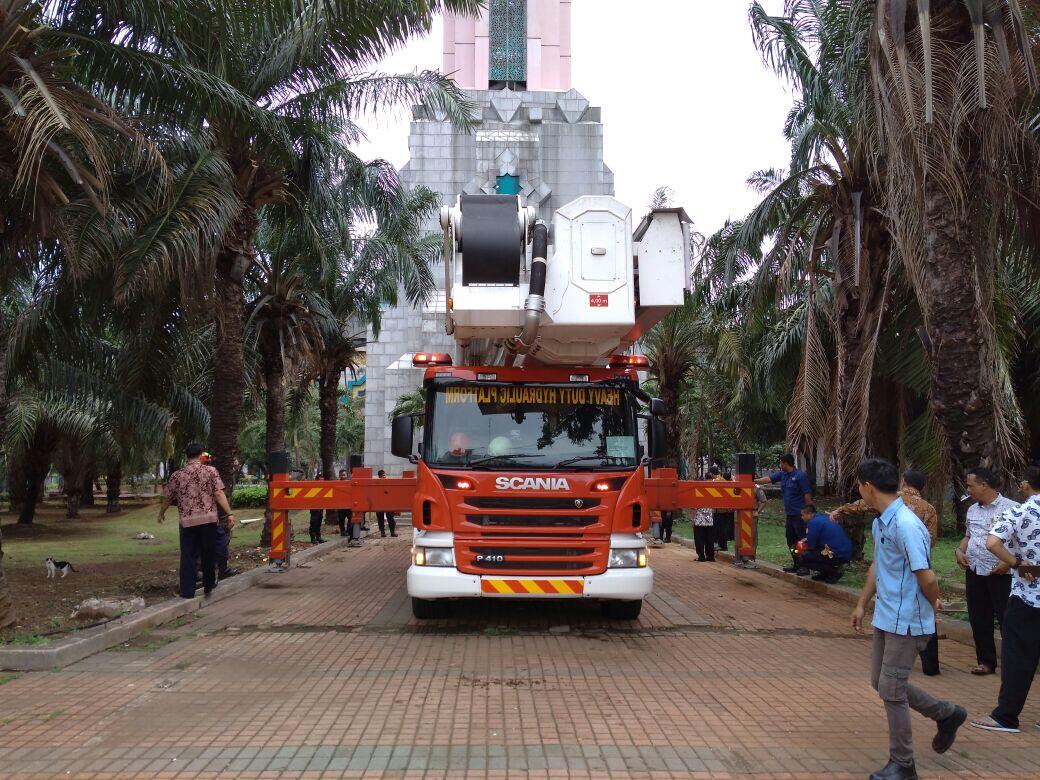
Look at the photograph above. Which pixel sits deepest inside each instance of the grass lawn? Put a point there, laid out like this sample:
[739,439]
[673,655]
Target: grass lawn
[772,547]
[109,561]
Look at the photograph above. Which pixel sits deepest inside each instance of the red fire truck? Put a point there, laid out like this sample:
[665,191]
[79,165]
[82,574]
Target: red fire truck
[535,456]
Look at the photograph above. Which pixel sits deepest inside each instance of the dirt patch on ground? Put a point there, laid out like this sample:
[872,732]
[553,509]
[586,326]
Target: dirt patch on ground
[44,606]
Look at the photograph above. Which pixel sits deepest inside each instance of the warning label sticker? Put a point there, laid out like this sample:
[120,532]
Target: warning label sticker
[599,300]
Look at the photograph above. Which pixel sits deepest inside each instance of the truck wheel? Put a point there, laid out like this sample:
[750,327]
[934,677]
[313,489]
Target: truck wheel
[622,610]
[425,609]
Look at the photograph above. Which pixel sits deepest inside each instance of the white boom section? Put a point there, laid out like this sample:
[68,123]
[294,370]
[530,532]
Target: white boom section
[605,287]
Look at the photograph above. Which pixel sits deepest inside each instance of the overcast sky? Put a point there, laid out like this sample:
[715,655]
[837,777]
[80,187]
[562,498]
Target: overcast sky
[686,100]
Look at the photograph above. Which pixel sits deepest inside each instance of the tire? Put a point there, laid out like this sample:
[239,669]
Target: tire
[622,610]
[425,609]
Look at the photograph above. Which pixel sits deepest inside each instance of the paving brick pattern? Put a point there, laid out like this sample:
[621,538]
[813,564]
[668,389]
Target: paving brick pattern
[322,672]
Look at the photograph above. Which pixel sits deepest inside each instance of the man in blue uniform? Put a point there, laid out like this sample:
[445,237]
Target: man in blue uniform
[796,492]
[827,546]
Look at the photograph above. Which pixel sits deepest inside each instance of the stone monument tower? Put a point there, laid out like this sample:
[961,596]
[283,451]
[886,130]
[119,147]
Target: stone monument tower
[534,136]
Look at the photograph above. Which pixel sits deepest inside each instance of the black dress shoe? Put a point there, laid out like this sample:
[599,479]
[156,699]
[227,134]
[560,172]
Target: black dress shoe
[947,732]
[894,771]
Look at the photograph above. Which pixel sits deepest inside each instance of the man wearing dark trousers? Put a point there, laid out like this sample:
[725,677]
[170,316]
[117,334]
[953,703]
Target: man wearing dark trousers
[667,521]
[827,548]
[386,518]
[907,593]
[1015,540]
[796,491]
[198,491]
[344,516]
[987,582]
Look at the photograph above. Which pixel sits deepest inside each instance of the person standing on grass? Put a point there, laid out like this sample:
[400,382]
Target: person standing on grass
[907,593]
[704,534]
[197,491]
[987,580]
[910,491]
[1015,539]
[796,491]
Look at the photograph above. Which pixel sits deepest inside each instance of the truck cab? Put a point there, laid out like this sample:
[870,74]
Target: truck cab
[530,485]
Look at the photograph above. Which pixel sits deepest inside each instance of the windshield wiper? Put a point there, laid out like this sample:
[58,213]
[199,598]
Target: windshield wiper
[580,458]
[492,458]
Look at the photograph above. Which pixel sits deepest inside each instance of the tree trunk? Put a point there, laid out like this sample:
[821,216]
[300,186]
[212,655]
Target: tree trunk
[859,306]
[7,616]
[274,412]
[229,373]
[34,466]
[328,406]
[959,338]
[74,467]
[87,492]
[113,487]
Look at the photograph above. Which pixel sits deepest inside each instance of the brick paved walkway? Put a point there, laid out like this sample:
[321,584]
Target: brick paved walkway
[321,672]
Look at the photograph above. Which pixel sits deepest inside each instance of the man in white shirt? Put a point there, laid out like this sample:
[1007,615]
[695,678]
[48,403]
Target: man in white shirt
[987,580]
[1015,539]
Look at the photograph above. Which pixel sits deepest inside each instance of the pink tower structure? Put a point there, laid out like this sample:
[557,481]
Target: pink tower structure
[527,47]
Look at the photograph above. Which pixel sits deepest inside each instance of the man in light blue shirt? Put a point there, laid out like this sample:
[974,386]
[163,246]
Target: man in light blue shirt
[904,618]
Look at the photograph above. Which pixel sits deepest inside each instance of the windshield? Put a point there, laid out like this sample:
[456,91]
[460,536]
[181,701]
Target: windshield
[521,427]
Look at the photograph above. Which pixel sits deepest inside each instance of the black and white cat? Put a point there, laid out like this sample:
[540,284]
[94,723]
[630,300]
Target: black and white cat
[53,567]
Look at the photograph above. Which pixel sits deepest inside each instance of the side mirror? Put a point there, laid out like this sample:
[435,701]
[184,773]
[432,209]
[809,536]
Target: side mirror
[401,436]
[658,439]
[659,408]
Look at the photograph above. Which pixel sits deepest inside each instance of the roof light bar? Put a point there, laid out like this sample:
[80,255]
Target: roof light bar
[431,359]
[629,361]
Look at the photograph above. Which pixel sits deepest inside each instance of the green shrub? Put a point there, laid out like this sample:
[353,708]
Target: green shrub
[249,496]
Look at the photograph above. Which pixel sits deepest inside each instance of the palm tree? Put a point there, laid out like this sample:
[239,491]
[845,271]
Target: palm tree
[953,85]
[276,85]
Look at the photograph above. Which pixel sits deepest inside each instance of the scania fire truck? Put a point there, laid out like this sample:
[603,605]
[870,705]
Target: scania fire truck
[535,455]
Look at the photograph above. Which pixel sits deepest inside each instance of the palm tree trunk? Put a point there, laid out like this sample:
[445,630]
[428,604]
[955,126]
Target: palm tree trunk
[274,412]
[229,373]
[859,308]
[328,406]
[34,466]
[87,492]
[73,468]
[959,339]
[7,616]
[113,487]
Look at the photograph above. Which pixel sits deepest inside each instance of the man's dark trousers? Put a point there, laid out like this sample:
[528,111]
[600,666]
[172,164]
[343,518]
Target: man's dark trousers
[930,657]
[315,525]
[704,542]
[344,516]
[198,541]
[667,521]
[814,561]
[1020,656]
[389,519]
[795,530]
[987,598]
[223,548]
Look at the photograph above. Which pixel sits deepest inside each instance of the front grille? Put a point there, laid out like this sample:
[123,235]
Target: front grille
[534,521]
[504,502]
[535,551]
[534,565]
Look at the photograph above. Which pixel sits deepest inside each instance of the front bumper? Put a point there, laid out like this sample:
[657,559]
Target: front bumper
[429,582]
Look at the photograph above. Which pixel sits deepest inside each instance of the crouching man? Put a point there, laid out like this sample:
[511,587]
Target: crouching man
[827,546]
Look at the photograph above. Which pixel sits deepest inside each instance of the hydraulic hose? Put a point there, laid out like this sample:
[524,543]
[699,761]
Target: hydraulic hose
[535,303]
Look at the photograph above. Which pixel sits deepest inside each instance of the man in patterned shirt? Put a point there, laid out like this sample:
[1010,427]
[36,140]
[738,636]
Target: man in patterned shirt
[987,581]
[1015,540]
[197,491]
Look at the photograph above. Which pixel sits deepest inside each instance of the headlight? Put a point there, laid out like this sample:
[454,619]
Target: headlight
[433,556]
[628,558]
